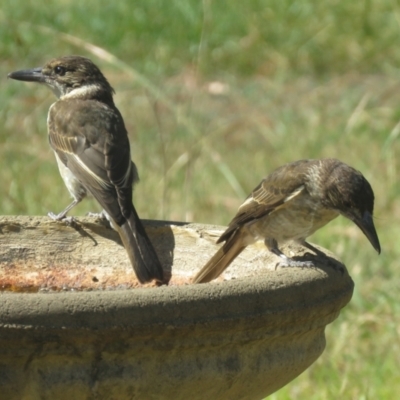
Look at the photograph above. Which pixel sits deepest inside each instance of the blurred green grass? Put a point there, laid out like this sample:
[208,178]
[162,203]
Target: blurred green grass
[215,95]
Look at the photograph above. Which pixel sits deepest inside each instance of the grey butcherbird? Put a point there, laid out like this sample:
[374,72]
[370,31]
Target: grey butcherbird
[292,203]
[91,145]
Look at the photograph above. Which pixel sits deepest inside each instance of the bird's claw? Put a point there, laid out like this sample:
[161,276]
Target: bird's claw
[70,221]
[56,217]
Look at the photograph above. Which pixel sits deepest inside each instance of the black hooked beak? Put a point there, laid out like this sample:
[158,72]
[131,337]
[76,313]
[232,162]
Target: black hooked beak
[28,75]
[366,224]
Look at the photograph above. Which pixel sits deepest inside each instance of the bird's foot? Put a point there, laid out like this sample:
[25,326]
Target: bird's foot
[288,262]
[56,217]
[71,221]
[285,260]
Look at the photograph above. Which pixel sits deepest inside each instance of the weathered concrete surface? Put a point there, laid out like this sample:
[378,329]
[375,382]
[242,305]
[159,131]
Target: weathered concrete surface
[242,338]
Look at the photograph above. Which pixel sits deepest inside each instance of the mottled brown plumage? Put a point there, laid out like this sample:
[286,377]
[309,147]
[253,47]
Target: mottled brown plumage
[292,203]
[90,141]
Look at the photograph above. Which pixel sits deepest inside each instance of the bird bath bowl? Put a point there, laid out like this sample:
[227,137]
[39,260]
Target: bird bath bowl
[75,324]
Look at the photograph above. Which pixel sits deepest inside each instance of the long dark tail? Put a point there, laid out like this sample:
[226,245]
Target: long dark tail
[220,260]
[141,252]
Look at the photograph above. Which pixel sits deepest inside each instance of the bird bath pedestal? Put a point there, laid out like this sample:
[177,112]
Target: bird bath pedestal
[75,323]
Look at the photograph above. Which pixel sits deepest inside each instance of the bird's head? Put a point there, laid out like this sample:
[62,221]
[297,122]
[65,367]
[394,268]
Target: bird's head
[72,76]
[348,192]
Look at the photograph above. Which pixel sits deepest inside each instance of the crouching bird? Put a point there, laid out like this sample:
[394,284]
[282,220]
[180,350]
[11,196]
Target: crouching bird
[91,145]
[292,203]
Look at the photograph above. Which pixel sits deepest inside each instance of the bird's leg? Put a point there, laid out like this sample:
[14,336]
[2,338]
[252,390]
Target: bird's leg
[62,214]
[272,246]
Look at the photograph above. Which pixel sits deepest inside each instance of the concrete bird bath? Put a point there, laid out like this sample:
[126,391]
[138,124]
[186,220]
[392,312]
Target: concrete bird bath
[75,324]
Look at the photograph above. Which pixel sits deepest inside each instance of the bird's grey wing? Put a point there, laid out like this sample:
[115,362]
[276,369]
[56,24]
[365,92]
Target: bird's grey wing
[96,150]
[273,192]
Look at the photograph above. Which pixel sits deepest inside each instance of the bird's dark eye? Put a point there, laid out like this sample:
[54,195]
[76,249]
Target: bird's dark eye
[59,70]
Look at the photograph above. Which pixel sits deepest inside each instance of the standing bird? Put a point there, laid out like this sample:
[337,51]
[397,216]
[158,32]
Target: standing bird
[91,145]
[292,203]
